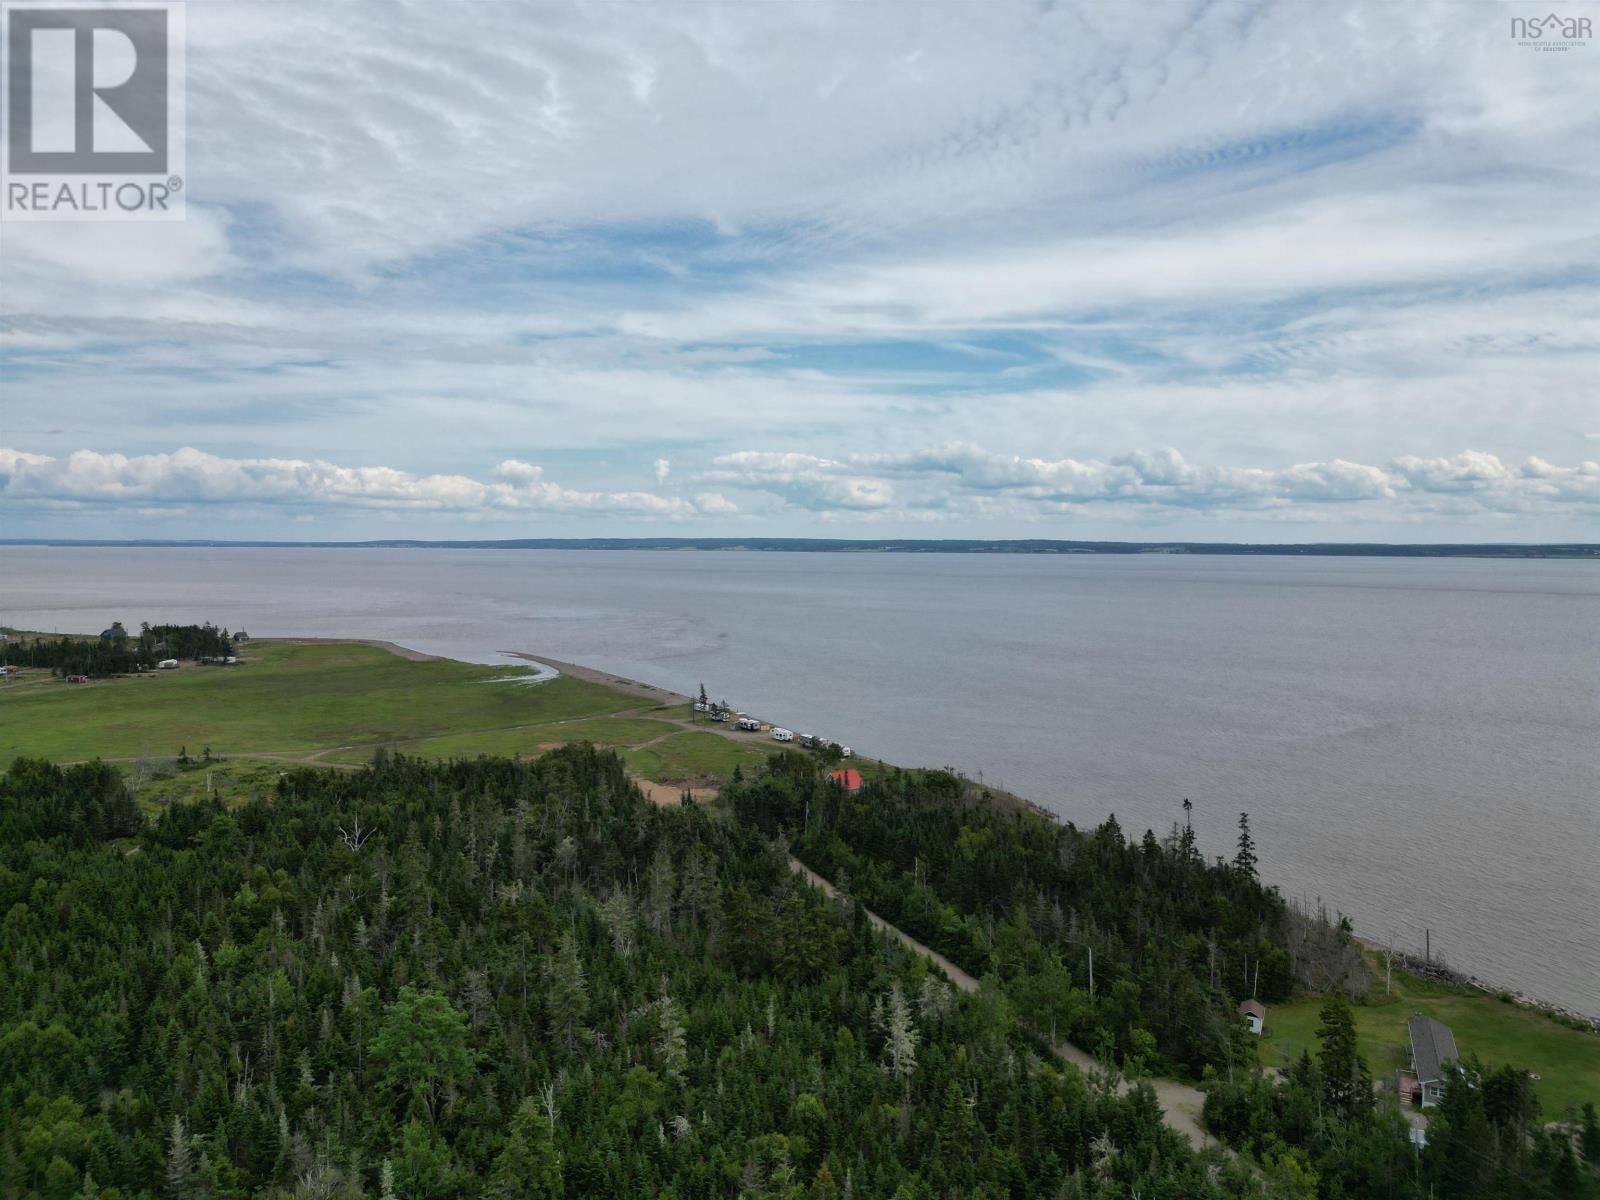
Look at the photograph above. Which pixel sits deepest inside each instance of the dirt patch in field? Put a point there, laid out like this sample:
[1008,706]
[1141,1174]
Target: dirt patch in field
[669,795]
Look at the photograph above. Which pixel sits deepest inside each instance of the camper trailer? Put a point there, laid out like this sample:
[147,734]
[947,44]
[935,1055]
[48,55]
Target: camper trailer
[748,724]
[782,735]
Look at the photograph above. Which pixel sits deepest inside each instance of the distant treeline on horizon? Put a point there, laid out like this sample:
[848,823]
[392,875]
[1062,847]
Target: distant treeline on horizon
[888,546]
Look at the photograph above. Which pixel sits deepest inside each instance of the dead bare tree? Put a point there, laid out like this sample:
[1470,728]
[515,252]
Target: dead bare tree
[355,837]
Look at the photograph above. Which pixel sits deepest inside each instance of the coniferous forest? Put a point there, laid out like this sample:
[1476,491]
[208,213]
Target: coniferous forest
[116,652]
[521,979]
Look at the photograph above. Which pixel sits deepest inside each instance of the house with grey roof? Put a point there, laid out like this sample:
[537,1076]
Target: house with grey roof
[1433,1051]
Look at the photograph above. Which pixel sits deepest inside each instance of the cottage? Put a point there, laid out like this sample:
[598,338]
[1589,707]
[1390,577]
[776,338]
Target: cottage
[1433,1050]
[1255,1015]
[849,780]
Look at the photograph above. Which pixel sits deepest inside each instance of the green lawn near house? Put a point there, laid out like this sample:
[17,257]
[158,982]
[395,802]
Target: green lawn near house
[1566,1060]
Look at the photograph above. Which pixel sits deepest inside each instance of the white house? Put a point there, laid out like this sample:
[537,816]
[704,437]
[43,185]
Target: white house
[1255,1015]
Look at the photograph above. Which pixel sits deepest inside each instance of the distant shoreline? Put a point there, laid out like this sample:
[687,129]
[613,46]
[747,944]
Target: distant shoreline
[1512,550]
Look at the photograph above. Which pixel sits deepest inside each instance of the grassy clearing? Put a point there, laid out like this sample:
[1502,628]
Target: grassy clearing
[527,740]
[335,704]
[1567,1061]
[285,699]
[236,781]
[695,757]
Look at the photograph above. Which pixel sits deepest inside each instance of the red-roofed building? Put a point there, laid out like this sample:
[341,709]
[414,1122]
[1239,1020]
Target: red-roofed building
[849,780]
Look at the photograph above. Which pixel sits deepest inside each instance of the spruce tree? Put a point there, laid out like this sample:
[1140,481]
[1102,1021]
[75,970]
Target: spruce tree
[528,1166]
[1244,860]
[1346,1083]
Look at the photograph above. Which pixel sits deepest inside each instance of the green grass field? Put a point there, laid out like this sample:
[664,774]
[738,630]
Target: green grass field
[689,757]
[1566,1060]
[335,704]
[527,740]
[284,698]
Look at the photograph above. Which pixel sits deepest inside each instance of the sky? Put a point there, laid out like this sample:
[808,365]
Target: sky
[1226,270]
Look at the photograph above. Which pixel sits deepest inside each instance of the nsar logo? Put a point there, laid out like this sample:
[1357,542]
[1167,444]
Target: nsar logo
[1552,32]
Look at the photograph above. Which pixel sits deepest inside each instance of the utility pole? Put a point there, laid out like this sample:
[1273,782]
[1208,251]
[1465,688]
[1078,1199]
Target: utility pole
[1256,986]
[1091,970]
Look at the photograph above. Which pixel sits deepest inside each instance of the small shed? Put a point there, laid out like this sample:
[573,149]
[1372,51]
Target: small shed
[1255,1015]
[848,779]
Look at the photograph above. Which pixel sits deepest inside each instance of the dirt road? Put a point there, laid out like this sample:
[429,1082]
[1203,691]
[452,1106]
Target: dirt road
[1181,1104]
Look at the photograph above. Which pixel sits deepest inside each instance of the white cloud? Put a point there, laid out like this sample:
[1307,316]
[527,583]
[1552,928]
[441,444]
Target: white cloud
[957,477]
[954,484]
[805,480]
[1292,239]
[189,476]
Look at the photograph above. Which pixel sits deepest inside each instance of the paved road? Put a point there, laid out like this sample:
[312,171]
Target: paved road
[1180,1104]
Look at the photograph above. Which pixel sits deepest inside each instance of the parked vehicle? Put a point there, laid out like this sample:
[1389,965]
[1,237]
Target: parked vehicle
[809,741]
[748,724]
[782,735]
[700,706]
